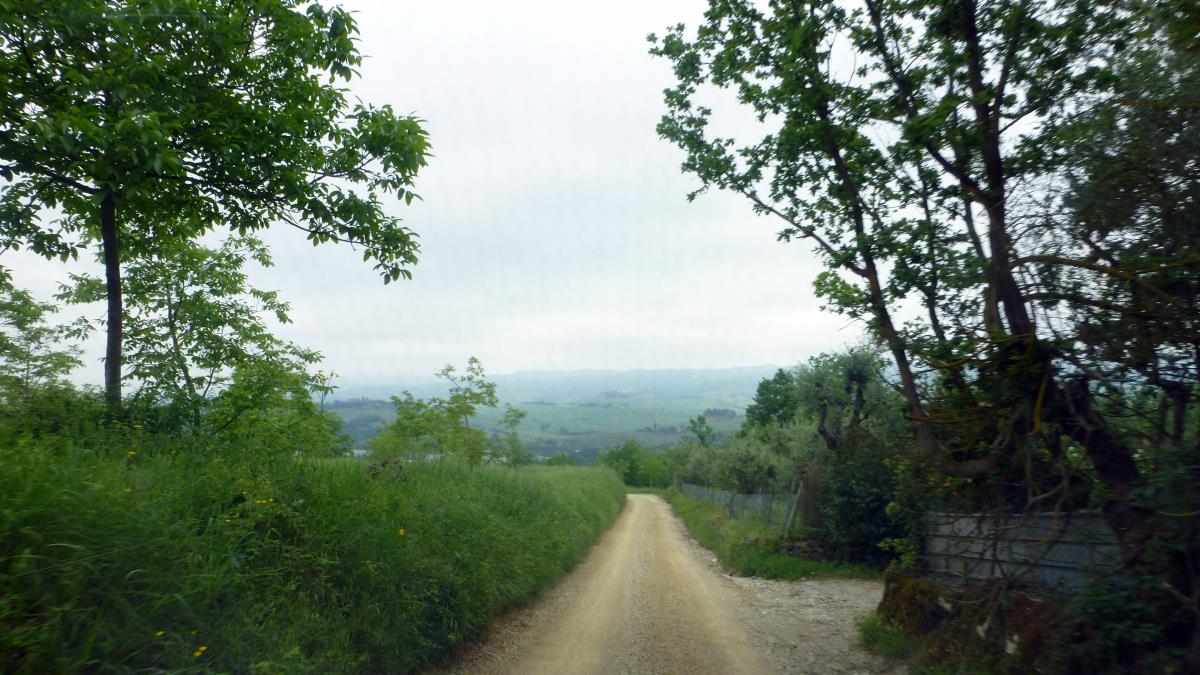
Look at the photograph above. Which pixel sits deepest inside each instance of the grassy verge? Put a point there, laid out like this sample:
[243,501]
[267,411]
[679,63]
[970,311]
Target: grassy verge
[748,548]
[147,562]
[884,638]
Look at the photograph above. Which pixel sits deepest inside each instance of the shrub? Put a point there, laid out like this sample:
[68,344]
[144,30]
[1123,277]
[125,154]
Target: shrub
[637,465]
[881,637]
[855,490]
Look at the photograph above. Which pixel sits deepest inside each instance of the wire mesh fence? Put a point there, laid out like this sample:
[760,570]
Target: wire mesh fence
[769,509]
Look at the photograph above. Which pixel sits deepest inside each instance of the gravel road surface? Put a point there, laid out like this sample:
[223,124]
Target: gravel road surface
[648,599]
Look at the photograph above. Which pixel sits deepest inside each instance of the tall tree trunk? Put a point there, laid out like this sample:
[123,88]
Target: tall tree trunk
[1115,467]
[110,245]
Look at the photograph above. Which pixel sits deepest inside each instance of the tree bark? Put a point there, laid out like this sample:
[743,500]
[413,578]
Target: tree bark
[1115,467]
[110,246]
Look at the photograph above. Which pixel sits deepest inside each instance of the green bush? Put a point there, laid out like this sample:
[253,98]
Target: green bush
[882,637]
[855,491]
[154,560]
[637,465]
[1129,624]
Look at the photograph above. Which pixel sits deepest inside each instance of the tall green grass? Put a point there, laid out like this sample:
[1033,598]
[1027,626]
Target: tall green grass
[748,548]
[882,637]
[182,563]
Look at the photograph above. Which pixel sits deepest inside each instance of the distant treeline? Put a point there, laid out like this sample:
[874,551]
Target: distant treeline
[656,429]
[357,403]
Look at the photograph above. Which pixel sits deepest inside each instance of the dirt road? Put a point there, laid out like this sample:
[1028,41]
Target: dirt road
[648,599]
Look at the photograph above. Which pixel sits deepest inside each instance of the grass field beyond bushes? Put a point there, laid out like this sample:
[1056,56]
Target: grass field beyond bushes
[165,563]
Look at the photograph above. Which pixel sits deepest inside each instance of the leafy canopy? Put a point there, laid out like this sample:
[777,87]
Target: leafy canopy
[195,114]
[440,426]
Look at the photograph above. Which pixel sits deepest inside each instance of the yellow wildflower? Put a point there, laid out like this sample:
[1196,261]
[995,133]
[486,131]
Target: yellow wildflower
[159,633]
[136,426]
[402,532]
[131,453]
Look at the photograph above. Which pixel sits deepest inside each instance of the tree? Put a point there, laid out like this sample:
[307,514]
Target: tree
[191,320]
[918,146]
[774,400]
[561,459]
[839,392]
[32,352]
[442,425]
[142,125]
[700,427]
[1119,266]
[266,408]
[469,391]
[906,173]
[637,465]
[508,448]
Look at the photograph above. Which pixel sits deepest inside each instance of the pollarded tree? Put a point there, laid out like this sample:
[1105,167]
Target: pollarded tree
[141,124]
[839,393]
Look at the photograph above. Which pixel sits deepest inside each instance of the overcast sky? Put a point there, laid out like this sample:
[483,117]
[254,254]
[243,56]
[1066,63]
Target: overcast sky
[555,229]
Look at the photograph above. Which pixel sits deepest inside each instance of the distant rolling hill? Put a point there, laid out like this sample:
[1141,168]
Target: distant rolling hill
[581,412]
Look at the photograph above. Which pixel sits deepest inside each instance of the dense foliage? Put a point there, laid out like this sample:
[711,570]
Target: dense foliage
[441,426]
[835,449]
[1005,194]
[133,128]
[217,529]
[638,466]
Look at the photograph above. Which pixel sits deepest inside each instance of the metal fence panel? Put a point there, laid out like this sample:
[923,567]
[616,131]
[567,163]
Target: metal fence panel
[1048,549]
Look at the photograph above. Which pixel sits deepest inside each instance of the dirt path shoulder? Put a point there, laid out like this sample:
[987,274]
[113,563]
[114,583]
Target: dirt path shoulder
[648,599]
